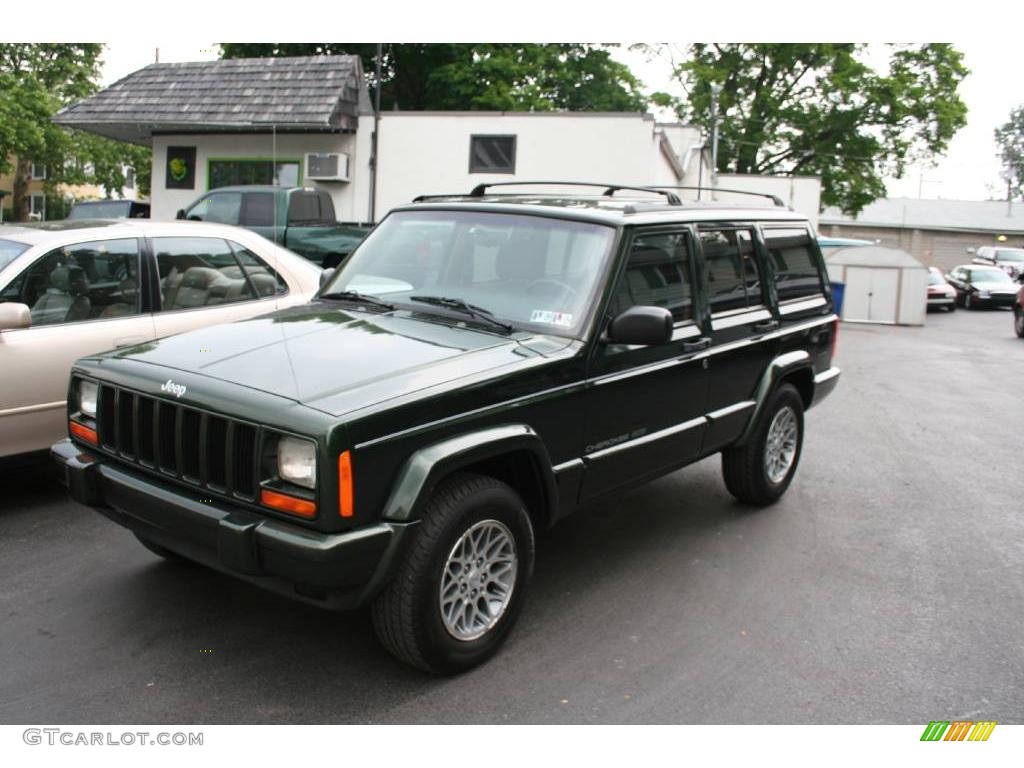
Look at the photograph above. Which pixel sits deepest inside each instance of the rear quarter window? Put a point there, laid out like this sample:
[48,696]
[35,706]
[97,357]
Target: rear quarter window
[793,262]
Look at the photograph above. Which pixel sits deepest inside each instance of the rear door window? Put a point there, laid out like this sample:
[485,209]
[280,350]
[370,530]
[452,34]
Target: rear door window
[199,272]
[793,262]
[733,276]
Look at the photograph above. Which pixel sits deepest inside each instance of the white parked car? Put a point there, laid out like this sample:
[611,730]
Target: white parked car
[72,288]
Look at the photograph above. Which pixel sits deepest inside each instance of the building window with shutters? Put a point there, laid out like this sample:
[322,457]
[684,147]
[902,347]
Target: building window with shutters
[492,154]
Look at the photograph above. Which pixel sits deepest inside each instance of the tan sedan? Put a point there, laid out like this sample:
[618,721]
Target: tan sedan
[71,288]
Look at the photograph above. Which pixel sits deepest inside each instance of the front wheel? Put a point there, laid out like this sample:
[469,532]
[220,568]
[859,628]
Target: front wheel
[759,471]
[460,588]
[968,304]
[1018,322]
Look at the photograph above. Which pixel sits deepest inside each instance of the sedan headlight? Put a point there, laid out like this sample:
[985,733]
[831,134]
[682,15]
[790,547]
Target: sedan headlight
[296,461]
[87,392]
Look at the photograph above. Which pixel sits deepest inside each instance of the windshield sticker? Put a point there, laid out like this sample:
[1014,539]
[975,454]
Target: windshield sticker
[563,319]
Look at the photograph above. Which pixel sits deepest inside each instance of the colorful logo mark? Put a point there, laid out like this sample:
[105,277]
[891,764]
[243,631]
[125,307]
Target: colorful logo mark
[958,730]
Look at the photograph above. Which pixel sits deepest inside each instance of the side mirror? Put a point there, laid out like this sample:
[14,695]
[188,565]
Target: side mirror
[326,275]
[180,214]
[14,316]
[646,326]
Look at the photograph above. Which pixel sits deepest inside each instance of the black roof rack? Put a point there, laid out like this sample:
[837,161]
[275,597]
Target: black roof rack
[774,198]
[609,189]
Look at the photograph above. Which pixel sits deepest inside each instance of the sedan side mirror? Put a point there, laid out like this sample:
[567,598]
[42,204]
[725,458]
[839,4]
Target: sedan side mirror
[326,275]
[180,214]
[14,316]
[646,326]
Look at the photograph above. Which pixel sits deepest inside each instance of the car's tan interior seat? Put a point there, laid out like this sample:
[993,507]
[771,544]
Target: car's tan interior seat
[66,300]
[193,290]
[128,290]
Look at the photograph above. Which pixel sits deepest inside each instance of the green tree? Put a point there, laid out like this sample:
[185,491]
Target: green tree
[822,109]
[507,76]
[1010,139]
[36,80]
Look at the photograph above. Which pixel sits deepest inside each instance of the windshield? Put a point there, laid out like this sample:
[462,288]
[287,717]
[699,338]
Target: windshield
[1005,254]
[935,278]
[990,276]
[530,271]
[115,209]
[10,250]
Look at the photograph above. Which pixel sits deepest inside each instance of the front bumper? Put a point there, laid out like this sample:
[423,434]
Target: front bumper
[337,571]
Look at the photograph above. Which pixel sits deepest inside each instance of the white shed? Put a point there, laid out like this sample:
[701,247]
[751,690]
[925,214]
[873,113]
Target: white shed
[883,285]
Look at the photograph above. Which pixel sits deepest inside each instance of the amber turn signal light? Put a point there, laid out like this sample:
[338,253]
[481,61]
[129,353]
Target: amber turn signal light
[290,504]
[83,432]
[345,495]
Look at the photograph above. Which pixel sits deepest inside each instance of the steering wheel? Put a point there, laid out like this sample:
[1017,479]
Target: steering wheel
[564,289]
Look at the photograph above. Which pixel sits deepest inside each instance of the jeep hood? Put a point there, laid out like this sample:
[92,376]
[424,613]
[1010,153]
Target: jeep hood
[337,360]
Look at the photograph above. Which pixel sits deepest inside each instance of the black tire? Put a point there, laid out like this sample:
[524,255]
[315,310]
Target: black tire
[1018,322]
[951,307]
[743,466]
[968,304]
[407,614]
[163,552]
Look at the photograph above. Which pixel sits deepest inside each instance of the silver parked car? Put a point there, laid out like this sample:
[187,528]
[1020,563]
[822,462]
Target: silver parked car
[72,288]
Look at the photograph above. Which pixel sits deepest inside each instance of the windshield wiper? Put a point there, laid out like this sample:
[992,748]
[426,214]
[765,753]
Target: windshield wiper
[358,298]
[461,305]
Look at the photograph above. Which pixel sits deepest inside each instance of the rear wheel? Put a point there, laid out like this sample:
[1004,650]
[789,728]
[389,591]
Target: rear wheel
[457,594]
[759,471]
[1018,321]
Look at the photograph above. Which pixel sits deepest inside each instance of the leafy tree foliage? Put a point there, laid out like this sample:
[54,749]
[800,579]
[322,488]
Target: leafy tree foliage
[508,76]
[822,109]
[1010,138]
[37,80]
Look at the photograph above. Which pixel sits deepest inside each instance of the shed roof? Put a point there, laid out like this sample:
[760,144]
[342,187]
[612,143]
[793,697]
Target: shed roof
[952,215]
[873,256]
[299,93]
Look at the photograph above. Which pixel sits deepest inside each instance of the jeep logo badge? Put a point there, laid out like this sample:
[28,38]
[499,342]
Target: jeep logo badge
[175,389]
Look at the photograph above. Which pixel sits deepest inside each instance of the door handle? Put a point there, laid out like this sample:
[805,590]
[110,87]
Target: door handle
[767,325]
[697,345]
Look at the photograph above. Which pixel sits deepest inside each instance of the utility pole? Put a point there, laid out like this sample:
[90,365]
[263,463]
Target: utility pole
[373,141]
[715,90]
[156,59]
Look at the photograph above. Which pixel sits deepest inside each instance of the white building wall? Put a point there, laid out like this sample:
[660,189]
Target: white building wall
[801,193]
[350,198]
[428,152]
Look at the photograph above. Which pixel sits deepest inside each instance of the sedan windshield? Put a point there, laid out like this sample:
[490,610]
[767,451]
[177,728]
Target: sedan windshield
[990,276]
[935,278]
[528,271]
[10,250]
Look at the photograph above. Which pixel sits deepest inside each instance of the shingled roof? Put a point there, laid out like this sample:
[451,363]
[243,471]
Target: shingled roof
[294,94]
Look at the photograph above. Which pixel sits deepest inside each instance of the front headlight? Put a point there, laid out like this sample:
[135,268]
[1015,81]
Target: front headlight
[296,461]
[984,295]
[87,392]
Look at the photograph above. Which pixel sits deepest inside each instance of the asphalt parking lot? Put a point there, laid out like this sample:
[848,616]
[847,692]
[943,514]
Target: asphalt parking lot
[886,586]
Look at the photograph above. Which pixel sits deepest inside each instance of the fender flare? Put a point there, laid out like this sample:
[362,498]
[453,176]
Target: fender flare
[425,468]
[777,369]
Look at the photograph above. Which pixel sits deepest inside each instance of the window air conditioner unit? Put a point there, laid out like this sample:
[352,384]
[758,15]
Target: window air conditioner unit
[327,167]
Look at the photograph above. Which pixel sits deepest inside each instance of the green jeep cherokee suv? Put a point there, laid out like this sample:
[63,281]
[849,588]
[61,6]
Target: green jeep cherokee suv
[480,367]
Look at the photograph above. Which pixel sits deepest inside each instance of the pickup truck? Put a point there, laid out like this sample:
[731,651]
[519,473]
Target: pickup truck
[300,219]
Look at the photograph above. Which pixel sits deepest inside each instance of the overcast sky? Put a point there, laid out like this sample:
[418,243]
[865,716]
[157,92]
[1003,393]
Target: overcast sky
[969,171]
